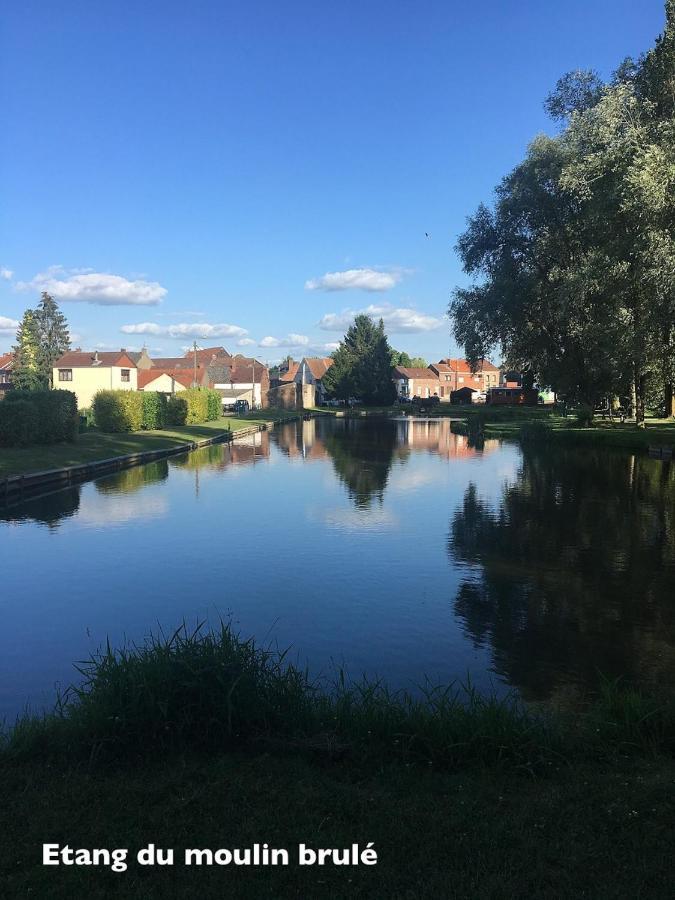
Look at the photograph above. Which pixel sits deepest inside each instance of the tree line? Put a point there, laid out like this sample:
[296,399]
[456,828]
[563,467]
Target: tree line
[573,266]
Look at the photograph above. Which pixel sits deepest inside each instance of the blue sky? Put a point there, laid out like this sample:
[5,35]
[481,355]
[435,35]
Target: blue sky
[172,171]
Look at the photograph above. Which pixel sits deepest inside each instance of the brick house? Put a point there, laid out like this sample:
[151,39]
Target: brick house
[412,382]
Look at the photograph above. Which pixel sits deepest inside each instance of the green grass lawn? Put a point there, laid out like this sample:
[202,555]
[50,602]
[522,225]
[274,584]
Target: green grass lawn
[205,741]
[95,445]
[597,831]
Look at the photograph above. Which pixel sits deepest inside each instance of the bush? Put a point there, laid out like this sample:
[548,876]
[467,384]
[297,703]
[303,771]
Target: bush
[18,423]
[214,405]
[176,410]
[118,411]
[154,410]
[584,416]
[203,405]
[56,414]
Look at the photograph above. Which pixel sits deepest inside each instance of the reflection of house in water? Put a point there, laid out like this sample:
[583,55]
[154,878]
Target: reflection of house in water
[250,448]
[436,436]
[303,440]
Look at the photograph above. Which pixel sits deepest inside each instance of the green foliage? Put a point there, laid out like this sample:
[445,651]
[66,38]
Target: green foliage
[25,374]
[18,423]
[584,416]
[574,267]
[177,409]
[535,432]
[203,405]
[154,410]
[118,411]
[53,337]
[214,405]
[57,419]
[362,365]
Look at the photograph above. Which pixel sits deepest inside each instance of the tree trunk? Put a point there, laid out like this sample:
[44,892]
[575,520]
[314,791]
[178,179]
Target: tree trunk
[640,401]
[669,398]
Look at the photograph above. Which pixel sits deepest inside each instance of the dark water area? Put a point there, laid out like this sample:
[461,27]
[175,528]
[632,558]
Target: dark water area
[389,547]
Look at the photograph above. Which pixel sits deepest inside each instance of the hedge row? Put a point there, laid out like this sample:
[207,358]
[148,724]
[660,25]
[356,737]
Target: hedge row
[116,411]
[38,417]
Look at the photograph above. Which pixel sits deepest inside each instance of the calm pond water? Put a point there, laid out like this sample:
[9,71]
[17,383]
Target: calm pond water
[390,547]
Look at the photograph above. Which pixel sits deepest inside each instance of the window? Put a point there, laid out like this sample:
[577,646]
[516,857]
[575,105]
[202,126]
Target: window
[65,374]
[126,375]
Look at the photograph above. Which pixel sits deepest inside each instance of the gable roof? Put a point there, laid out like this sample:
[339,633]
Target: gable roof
[6,360]
[79,359]
[290,374]
[318,365]
[405,372]
[206,354]
[171,362]
[242,374]
[182,376]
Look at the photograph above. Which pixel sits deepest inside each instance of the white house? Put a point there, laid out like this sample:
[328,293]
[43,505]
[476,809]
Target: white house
[86,373]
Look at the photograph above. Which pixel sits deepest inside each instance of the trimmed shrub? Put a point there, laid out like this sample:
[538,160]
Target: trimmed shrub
[154,410]
[18,423]
[176,410]
[56,414]
[197,405]
[118,411]
[214,405]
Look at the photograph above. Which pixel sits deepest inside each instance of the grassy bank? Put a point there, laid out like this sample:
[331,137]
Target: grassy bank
[509,422]
[203,740]
[95,445]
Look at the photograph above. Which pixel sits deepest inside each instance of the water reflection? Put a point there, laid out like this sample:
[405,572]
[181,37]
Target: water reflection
[573,572]
[49,510]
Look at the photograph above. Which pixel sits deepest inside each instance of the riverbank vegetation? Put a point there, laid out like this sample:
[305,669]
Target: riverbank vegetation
[205,740]
[574,266]
[94,445]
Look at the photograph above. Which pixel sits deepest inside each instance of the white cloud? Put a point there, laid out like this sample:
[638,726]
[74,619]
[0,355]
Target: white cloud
[397,320]
[355,279]
[291,340]
[185,329]
[245,342]
[99,288]
[8,326]
[6,273]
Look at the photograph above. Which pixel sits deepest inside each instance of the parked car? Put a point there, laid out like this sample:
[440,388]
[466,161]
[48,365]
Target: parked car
[241,406]
[354,401]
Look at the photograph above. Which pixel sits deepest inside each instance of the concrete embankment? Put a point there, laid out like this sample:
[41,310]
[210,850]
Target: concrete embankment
[16,488]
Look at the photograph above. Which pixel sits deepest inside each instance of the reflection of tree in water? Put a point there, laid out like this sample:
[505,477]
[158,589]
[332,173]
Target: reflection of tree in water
[362,453]
[213,456]
[574,572]
[50,509]
[129,480]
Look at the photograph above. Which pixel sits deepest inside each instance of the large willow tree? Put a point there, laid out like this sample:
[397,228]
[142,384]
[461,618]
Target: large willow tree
[574,265]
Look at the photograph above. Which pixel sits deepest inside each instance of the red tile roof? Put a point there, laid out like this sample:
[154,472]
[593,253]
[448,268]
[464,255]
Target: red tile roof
[318,365]
[290,375]
[207,353]
[404,372]
[6,360]
[461,365]
[78,359]
[182,376]
[242,374]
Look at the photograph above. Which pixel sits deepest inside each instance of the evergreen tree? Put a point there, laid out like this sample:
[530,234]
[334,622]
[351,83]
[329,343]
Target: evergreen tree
[25,374]
[53,337]
[362,364]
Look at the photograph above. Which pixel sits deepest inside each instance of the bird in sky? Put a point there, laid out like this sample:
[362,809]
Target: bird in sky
[426,234]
